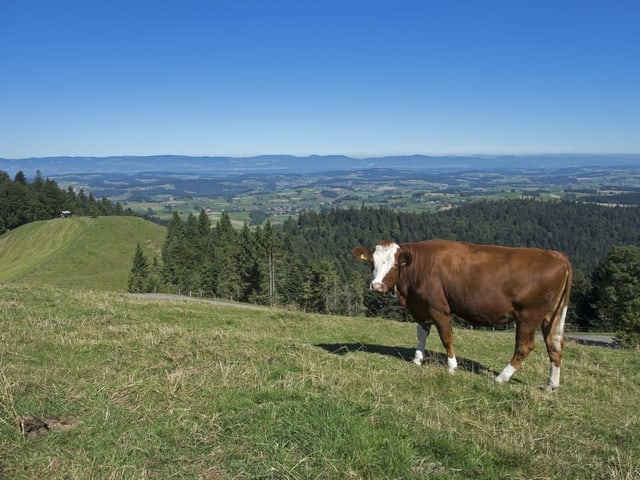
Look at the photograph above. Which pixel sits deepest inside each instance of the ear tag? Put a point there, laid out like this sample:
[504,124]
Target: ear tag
[363,257]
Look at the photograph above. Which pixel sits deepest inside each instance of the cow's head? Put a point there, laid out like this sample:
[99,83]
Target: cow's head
[386,260]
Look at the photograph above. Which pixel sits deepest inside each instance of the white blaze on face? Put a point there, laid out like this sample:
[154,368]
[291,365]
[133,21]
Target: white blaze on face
[384,258]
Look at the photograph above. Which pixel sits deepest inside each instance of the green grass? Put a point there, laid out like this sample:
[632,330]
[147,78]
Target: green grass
[80,252]
[165,389]
[24,249]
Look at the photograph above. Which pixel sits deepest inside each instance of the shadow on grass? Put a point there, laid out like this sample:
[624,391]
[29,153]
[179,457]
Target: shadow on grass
[403,353]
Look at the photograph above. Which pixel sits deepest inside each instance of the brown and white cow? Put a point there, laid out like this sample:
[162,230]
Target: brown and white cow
[484,284]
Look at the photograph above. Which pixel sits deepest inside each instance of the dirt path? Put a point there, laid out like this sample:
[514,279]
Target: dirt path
[187,298]
[596,340]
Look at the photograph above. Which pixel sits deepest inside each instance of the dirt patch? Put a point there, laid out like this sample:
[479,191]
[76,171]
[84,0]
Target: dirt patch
[32,426]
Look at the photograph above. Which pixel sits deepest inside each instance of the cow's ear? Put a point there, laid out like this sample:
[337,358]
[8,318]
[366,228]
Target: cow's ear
[404,259]
[362,253]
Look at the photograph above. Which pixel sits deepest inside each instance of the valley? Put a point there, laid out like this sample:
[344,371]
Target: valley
[256,197]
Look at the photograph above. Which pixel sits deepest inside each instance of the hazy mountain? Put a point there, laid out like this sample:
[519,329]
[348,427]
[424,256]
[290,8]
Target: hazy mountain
[291,164]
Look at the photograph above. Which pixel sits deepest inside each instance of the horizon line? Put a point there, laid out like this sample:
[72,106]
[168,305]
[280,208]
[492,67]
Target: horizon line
[306,156]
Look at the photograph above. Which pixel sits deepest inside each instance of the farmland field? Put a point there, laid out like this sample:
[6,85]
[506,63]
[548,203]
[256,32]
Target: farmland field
[255,197]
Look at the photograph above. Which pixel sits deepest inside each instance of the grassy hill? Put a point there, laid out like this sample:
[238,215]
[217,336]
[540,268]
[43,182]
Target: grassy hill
[111,386]
[80,252]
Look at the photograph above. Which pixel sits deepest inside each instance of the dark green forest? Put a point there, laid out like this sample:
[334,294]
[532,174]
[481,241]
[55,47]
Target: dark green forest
[307,263]
[22,202]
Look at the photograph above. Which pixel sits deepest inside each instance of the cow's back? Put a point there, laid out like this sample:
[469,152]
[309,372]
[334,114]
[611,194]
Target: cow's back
[484,284]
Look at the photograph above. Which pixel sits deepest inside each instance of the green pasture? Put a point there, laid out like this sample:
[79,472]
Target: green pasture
[78,252]
[99,385]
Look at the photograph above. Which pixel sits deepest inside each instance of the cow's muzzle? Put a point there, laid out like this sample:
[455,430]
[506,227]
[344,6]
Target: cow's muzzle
[379,287]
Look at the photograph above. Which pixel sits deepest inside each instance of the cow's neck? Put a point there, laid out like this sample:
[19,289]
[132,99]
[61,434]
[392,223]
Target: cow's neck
[402,295]
[401,290]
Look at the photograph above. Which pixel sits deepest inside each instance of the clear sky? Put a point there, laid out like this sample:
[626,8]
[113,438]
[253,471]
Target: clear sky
[360,78]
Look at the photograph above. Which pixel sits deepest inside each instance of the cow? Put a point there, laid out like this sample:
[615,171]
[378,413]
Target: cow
[486,285]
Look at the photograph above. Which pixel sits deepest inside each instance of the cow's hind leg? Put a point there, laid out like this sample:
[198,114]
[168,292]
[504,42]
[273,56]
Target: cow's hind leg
[553,337]
[422,332]
[525,343]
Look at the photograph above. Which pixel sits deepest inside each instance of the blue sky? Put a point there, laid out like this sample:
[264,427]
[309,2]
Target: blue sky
[360,78]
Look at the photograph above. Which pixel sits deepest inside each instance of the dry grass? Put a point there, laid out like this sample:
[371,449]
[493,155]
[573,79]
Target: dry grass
[155,389]
[8,412]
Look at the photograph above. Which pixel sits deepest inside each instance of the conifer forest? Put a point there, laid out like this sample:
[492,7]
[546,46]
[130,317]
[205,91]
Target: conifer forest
[306,262]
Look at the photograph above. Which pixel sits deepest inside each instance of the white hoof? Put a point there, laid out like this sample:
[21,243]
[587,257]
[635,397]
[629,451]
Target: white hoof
[452,364]
[550,388]
[418,357]
[506,374]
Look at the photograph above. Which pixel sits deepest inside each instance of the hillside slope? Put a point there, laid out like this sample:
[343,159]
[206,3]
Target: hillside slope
[100,385]
[81,252]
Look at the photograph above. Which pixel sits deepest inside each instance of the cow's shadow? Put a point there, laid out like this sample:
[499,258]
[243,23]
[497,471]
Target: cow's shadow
[404,354]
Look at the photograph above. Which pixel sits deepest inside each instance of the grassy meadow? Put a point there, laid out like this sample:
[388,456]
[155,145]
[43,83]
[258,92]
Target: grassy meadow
[107,386]
[79,252]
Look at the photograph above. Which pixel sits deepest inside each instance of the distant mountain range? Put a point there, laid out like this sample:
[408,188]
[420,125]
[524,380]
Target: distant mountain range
[50,166]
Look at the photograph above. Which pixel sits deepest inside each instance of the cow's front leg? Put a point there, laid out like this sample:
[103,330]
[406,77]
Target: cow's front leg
[525,343]
[422,332]
[443,324]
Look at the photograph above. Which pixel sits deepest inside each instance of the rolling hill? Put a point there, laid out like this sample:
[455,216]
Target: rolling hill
[81,252]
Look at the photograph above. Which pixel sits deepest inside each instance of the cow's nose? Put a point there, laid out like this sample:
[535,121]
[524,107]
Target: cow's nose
[378,287]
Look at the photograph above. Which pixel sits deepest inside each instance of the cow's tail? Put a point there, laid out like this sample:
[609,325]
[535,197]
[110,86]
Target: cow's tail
[560,313]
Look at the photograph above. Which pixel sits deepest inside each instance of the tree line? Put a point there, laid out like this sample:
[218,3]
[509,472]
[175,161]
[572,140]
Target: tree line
[257,265]
[306,263]
[22,202]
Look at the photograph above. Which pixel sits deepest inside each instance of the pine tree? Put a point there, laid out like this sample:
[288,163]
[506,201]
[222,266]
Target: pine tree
[321,291]
[139,275]
[92,208]
[154,283]
[628,335]
[20,178]
[271,262]
[70,201]
[204,224]
[617,285]
[247,264]
[179,259]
